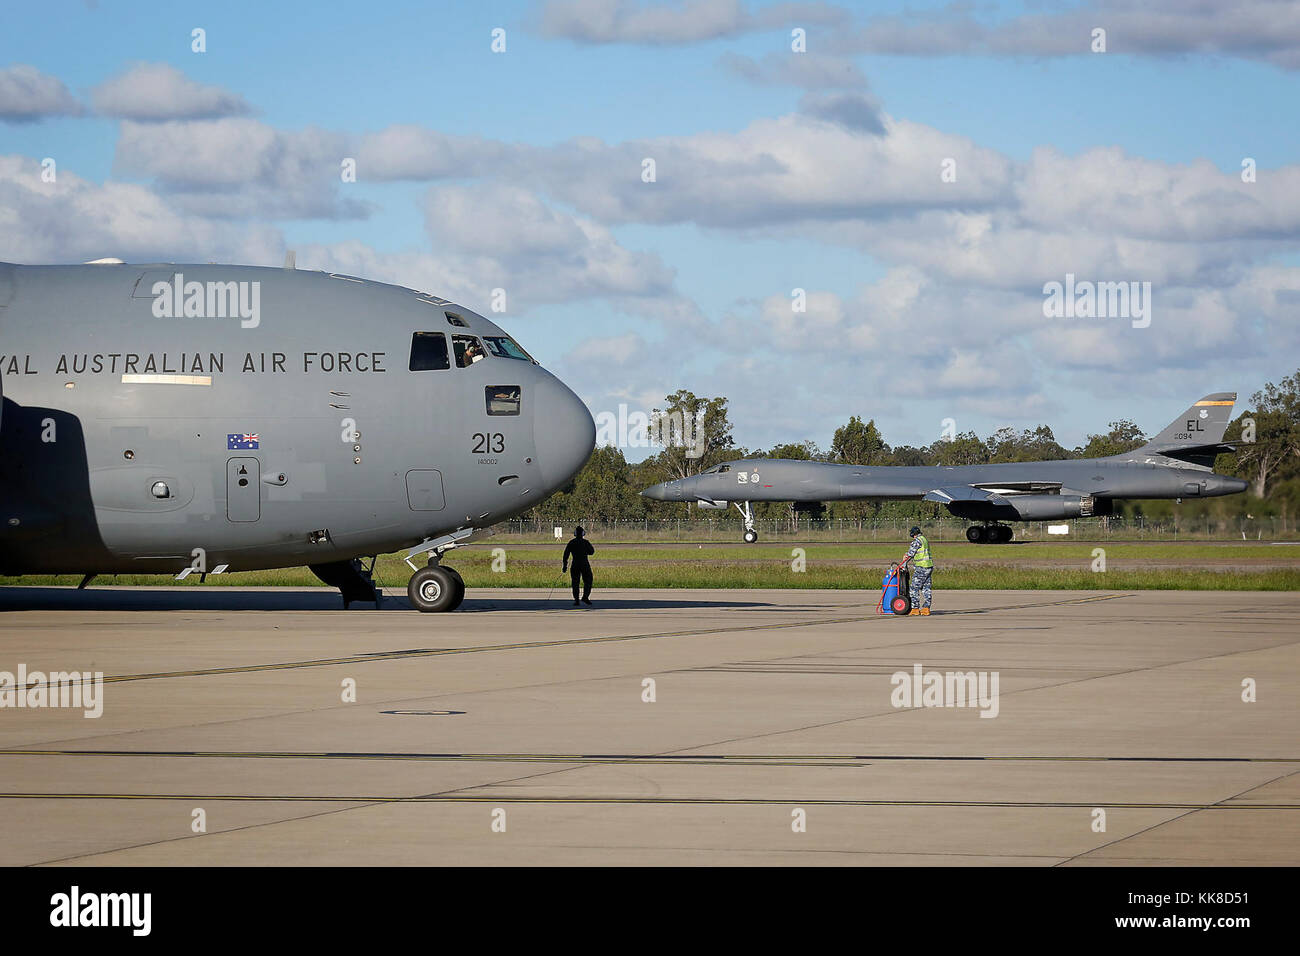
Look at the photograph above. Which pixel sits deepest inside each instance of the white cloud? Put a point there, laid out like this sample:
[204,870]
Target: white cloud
[418,153]
[27,94]
[788,170]
[73,220]
[237,167]
[1264,30]
[684,21]
[1267,30]
[536,252]
[153,92]
[484,238]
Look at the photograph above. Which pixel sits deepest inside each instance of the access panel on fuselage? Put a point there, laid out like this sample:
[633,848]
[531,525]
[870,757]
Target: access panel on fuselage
[424,490]
[243,489]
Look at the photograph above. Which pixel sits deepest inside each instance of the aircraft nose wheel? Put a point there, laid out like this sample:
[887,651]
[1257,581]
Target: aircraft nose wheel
[436,588]
[751,536]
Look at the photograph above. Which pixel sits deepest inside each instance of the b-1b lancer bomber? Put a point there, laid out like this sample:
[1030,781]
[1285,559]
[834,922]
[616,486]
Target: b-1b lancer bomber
[200,419]
[1177,463]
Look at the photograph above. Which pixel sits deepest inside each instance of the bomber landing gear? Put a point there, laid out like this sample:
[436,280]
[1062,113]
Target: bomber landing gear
[435,588]
[748,514]
[989,534]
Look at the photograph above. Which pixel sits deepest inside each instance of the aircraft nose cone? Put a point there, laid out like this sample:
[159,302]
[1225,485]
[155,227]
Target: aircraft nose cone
[658,492]
[563,431]
[667,491]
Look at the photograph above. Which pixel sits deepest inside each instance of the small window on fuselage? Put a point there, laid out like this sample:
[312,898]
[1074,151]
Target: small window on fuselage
[456,320]
[468,350]
[428,351]
[502,399]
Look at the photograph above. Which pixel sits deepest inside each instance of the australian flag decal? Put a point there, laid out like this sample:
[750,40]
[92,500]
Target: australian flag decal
[241,442]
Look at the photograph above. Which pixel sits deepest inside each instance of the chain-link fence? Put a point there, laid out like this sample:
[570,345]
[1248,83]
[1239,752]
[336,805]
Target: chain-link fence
[891,529]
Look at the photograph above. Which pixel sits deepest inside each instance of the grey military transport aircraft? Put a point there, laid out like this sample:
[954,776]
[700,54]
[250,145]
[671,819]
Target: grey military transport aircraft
[1177,463]
[206,418]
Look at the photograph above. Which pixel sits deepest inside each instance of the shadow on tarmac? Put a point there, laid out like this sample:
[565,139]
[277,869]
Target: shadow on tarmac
[293,599]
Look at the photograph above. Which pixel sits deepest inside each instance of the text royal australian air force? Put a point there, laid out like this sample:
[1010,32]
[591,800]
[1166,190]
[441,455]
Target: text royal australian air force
[185,362]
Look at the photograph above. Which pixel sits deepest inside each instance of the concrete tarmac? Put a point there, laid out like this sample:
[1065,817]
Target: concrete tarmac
[518,730]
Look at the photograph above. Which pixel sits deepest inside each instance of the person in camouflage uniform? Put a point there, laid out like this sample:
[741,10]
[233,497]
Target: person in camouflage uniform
[922,567]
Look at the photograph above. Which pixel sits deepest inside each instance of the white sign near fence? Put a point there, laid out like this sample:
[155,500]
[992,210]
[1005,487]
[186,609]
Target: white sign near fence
[1058,529]
[559,533]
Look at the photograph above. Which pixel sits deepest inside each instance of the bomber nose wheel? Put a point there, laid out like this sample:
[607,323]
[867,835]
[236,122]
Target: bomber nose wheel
[747,515]
[436,588]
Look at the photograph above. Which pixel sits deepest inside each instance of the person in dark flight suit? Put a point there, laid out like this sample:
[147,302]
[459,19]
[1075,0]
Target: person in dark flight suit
[578,550]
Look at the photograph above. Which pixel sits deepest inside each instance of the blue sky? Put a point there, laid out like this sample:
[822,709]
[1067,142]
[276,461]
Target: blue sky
[927,303]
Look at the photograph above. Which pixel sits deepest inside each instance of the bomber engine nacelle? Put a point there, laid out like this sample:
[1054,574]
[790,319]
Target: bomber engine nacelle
[1032,508]
[1046,507]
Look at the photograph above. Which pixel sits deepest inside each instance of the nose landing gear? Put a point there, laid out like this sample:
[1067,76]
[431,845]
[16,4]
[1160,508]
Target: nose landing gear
[433,587]
[748,514]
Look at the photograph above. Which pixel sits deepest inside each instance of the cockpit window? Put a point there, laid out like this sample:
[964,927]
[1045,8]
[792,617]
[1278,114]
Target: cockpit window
[505,347]
[502,399]
[456,320]
[718,469]
[468,350]
[428,351]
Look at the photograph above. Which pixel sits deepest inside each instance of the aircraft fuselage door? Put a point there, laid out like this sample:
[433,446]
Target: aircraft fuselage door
[243,489]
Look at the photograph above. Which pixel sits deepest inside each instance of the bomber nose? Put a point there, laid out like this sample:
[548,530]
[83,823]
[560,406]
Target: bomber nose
[658,492]
[667,491]
[563,432]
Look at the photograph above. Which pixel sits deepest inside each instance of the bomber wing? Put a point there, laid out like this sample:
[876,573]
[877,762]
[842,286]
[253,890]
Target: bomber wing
[1019,487]
[992,492]
[946,496]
